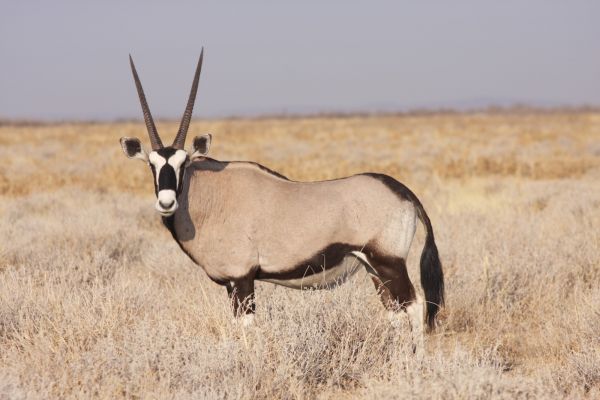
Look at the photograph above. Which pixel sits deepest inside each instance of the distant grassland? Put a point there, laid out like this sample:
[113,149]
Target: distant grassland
[96,300]
[457,146]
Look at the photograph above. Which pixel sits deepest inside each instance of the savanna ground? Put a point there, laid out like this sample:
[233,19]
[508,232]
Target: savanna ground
[97,300]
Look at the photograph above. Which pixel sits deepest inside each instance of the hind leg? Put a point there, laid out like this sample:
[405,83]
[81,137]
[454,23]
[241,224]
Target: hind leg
[398,294]
[415,317]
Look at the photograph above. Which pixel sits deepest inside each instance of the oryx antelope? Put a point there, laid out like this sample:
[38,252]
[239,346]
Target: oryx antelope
[242,222]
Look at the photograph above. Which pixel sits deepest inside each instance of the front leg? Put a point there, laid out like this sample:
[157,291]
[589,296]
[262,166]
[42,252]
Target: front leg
[241,295]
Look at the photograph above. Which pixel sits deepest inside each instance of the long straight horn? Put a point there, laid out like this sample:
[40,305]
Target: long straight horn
[154,138]
[179,141]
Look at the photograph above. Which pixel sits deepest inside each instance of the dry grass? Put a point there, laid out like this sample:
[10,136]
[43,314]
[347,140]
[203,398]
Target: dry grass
[96,300]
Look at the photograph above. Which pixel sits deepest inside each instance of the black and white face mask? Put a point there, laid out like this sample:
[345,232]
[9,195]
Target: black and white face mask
[168,166]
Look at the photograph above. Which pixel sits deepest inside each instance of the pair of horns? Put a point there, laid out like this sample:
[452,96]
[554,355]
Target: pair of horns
[179,141]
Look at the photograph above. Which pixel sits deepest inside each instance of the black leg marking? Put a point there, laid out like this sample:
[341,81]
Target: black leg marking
[241,295]
[393,284]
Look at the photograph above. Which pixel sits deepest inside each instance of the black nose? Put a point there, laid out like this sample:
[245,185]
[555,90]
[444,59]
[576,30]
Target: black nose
[166,206]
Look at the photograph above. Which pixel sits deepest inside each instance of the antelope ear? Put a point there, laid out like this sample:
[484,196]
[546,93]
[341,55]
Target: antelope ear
[200,146]
[132,147]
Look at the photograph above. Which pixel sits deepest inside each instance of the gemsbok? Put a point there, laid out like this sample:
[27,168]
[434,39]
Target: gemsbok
[242,222]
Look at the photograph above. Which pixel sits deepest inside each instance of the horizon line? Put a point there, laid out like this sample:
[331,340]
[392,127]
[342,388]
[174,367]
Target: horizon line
[491,109]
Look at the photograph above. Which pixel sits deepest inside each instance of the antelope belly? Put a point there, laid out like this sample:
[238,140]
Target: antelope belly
[325,279]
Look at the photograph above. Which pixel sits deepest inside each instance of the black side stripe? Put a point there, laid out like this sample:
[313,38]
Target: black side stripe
[323,260]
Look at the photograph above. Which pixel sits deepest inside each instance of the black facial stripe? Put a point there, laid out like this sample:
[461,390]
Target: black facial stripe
[166,152]
[181,171]
[153,169]
[167,178]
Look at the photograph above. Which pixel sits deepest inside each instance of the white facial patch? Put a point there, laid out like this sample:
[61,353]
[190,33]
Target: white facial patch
[158,161]
[176,161]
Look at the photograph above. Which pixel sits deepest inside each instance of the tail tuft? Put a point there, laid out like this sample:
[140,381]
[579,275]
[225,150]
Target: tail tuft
[432,278]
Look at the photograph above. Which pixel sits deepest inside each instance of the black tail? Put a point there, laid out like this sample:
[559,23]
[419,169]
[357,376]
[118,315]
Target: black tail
[432,275]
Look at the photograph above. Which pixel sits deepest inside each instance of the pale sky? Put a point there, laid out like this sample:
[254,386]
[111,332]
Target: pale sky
[69,59]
